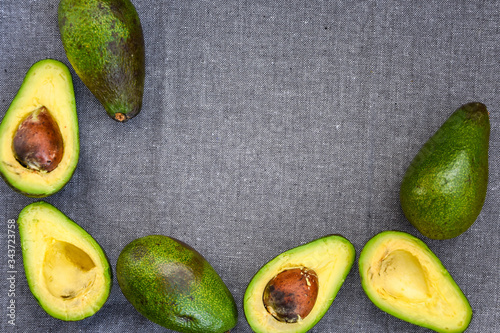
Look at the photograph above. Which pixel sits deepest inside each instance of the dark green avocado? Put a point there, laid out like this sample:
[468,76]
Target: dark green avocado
[173,285]
[104,43]
[444,188]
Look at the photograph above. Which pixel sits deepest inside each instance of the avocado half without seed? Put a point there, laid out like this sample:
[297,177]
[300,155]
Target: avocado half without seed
[293,291]
[39,140]
[402,277]
[67,271]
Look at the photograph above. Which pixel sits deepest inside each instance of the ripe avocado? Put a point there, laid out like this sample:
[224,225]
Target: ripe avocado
[171,284]
[444,188]
[39,138]
[273,300]
[67,271]
[104,43]
[402,277]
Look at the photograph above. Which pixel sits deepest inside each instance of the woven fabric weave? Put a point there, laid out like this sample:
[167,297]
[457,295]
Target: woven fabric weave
[265,125]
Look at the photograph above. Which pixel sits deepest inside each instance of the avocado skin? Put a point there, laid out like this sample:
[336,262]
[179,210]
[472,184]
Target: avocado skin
[173,285]
[444,188]
[104,43]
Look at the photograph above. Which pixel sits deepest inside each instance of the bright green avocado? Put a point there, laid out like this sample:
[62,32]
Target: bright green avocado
[39,139]
[444,188]
[402,277]
[104,43]
[274,300]
[173,285]
[67,270]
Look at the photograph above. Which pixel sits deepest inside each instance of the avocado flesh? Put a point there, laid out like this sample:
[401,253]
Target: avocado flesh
[47,85]
[331,257]
[67,271]
[173,285]
[444,188]
[104,43]
[402,277]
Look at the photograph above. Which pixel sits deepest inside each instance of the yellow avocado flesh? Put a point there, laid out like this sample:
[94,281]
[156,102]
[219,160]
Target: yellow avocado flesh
[401,275]
[331,257]
[66,269]
[48,83]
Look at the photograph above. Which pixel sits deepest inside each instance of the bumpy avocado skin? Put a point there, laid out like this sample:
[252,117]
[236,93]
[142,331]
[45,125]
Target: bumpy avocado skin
[444,188]
[104,43]
[173,285]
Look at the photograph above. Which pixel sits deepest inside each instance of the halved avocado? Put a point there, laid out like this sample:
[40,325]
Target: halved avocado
[404,278]
[39,138]
[273,301]
[67,270]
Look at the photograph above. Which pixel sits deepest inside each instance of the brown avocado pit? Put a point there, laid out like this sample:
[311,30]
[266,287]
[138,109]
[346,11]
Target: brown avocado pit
[38,143]
[290,295]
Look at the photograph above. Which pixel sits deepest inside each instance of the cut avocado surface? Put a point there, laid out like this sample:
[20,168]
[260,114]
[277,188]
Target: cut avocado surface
[323,264]
[404,278]
[39,139]
[67,271]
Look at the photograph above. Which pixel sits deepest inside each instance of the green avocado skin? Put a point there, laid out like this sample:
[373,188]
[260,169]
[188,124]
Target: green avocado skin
[104,43]
[171,284]
[444,188]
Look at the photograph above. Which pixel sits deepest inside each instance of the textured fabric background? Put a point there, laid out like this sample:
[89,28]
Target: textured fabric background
[265,125]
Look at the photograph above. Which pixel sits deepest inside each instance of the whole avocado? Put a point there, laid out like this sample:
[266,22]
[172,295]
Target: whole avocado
[173,285]
[444,188]
[104,43]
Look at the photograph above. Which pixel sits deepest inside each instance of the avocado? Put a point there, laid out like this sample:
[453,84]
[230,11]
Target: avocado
[293,291]
[39,138]
[171,284]
[104,43]
[404,278]
[67,271]
[444,188]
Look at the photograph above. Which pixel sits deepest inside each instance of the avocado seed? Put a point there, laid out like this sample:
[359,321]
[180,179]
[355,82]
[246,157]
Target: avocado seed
[290,296]
[38,143]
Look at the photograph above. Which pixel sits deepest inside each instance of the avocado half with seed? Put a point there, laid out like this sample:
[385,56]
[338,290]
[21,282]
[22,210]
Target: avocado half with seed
[39,138]
[293,291]
[67,271]
[404,278]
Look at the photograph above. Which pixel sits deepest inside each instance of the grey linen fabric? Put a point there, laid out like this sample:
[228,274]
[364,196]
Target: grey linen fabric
[265,125]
